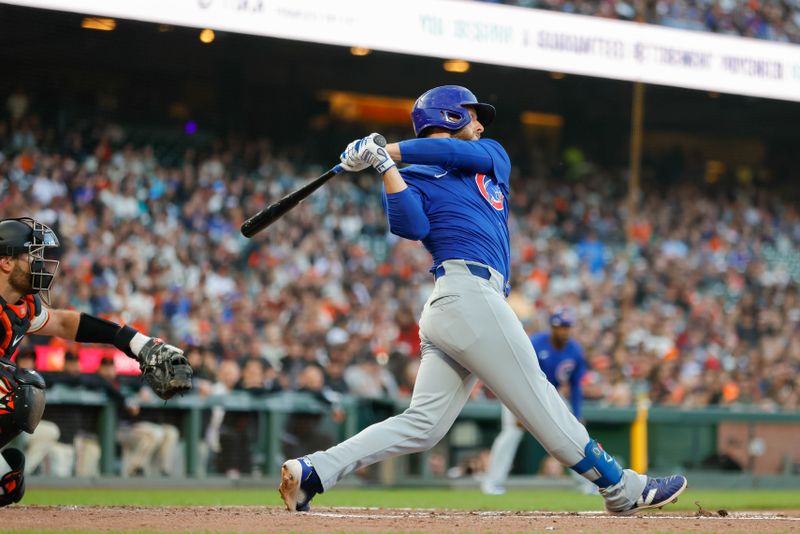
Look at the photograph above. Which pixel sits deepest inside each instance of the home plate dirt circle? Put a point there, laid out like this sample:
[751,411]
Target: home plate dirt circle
[274,519]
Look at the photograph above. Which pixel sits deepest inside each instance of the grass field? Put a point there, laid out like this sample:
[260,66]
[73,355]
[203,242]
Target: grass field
[469,499]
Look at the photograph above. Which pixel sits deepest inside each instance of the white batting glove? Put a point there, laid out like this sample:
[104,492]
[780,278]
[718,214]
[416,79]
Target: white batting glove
[375,155]
[350,158]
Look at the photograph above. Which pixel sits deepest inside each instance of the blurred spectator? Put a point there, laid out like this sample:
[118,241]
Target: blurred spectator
[17,105]
[258,377]
[368,378]
[147,447]
[76,426]
[230,434]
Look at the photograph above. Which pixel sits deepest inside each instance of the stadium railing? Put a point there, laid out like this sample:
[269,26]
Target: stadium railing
[678,438]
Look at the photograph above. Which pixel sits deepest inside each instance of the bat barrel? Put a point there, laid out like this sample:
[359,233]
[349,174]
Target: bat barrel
[275,211]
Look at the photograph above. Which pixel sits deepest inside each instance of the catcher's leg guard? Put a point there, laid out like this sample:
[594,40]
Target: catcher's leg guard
[598,466]
[12,479]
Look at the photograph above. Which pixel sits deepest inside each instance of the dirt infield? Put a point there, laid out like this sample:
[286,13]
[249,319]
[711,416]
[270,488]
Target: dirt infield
[273,519]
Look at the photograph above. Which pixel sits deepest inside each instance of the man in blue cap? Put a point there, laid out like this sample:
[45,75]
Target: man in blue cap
[453,197]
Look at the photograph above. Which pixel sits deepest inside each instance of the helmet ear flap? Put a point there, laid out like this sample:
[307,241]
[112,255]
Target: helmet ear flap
[452,116]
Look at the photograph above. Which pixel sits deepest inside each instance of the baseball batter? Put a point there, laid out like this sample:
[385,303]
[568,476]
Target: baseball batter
[561,360]
[454,198]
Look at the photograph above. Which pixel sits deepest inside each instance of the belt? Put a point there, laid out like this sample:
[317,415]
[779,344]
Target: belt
[478,270]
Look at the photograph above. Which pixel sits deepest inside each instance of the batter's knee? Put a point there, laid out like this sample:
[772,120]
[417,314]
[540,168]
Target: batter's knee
[424,430]
[419,430]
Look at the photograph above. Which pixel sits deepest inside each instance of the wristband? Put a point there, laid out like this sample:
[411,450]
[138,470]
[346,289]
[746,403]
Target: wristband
[93,329]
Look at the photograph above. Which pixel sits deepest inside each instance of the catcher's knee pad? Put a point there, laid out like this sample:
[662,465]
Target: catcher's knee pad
[12,478]
[598,466]
[21,401]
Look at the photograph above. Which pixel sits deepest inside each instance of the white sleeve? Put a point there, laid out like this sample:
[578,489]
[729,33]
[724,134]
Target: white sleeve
[38,321]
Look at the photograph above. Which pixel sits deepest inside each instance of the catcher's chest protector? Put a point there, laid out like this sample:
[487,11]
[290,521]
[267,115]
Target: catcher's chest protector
[15,320]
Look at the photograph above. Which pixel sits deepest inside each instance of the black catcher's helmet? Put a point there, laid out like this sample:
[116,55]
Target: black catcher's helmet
[25,235]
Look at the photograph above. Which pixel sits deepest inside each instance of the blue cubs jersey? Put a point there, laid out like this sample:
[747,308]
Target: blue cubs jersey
[464,195]
[562,366]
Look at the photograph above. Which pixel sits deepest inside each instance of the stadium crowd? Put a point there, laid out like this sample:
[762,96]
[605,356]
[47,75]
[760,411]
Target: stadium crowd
[701,308]
[773,20]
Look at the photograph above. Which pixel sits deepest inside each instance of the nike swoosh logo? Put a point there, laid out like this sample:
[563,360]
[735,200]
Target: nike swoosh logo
[17,339]
[439,175]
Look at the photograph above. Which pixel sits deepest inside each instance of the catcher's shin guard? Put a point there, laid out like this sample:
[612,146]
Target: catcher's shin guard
[12,478]
[598,466]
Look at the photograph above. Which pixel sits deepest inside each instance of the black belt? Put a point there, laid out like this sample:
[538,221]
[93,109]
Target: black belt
[478,270]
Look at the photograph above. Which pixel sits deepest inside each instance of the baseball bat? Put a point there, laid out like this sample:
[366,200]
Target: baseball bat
[276,210]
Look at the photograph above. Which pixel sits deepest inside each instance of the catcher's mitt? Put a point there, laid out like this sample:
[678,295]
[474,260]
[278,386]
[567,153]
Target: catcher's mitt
[165,368]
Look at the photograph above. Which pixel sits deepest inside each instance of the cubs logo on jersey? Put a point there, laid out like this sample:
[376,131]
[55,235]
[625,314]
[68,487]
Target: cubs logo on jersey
[564,370]
[490,191]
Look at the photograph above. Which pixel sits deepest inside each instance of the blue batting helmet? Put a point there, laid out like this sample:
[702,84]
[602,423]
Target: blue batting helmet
[562,317]
[443,107]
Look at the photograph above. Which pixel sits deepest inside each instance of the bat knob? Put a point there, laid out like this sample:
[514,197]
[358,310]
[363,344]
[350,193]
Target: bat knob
[379,140]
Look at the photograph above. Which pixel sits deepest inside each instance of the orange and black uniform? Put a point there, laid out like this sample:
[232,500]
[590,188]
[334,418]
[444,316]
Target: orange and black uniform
[26,316]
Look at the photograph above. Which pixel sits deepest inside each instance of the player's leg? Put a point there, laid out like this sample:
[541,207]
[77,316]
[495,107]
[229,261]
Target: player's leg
[139,441]
[480,330]
[168,449]
[87,456]
[440,392]
[504,449]
[62,460]
[40,443]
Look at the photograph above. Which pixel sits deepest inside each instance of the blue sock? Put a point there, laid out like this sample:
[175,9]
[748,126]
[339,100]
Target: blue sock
[601,462]
[311,481]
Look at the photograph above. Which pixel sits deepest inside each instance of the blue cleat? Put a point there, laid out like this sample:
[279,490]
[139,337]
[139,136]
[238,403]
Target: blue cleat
[299,484]
[657,493]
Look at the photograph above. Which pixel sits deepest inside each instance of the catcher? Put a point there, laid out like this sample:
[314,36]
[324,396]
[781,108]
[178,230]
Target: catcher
[26,275]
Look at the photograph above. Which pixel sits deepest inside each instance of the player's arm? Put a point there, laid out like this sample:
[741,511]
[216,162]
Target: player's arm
[403,205]
[404,209]
[163,366]
[85,328]
[484,156]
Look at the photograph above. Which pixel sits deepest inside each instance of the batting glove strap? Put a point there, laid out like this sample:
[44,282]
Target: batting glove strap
[375,155]
[382,161]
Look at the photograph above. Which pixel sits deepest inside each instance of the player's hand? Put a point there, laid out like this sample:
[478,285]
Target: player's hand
[373,154]
[350,158]
[165,369]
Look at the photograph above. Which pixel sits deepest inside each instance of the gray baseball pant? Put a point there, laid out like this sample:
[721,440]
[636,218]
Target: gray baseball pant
[469,331]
